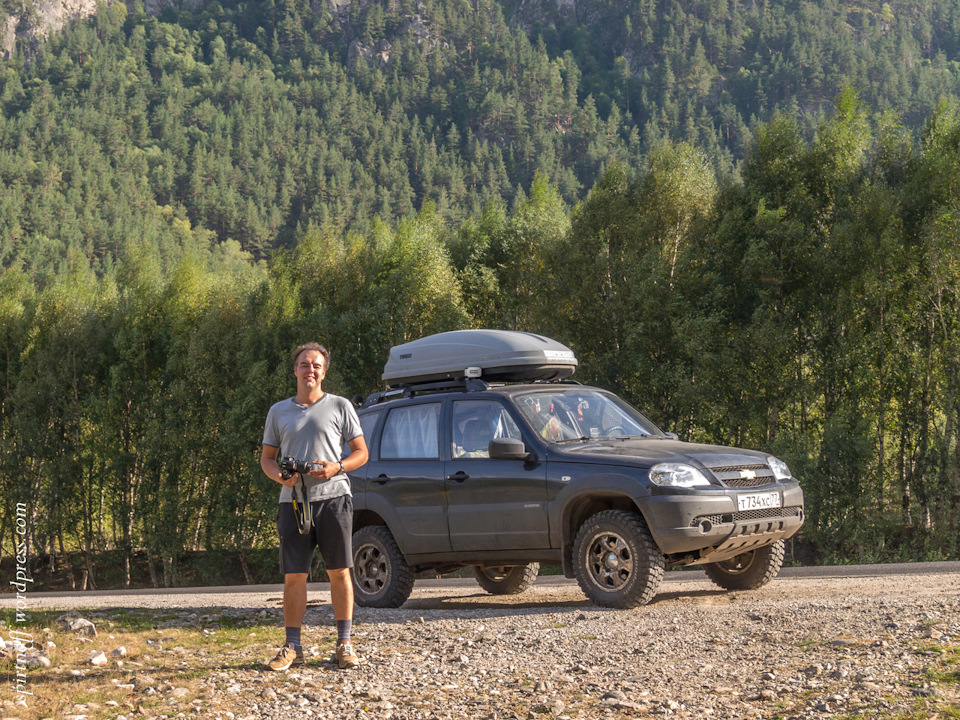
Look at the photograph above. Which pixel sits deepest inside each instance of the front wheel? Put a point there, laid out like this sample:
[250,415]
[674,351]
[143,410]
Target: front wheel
[506,580]
[381,577]
[615,560]
[749,570]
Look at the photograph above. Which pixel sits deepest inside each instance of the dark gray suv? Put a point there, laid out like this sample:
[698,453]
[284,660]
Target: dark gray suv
[483,455]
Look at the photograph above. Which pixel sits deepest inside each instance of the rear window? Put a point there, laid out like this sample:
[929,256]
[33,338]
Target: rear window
[411,433]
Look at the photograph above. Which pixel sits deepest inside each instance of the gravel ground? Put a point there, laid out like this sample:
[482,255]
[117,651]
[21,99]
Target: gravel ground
[807,646]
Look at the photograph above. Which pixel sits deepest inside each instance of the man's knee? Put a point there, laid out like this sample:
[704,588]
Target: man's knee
[341,575]
[295,579]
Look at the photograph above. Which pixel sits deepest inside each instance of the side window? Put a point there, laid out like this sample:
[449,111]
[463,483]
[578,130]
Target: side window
[411,433]
[476,423]
[368,424]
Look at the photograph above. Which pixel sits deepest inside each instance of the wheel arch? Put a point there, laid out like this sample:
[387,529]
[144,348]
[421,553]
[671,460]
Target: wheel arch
[581,507]
[365,518]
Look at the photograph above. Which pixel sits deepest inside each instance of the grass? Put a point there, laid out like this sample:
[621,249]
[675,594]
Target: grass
[161,657]
[214,651]
[948,670]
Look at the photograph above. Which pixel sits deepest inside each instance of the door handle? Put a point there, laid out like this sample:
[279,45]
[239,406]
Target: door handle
[382,479]
[458,477]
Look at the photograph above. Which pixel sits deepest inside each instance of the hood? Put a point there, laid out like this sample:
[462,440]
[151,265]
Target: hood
[650,450]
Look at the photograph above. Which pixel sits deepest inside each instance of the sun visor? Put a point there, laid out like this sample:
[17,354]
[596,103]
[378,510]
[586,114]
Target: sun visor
[491,355]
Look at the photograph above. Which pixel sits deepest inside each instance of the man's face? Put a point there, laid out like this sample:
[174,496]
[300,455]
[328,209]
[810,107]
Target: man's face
[309,369]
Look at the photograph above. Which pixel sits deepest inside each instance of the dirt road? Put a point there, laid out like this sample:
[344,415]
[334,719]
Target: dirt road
[878,641]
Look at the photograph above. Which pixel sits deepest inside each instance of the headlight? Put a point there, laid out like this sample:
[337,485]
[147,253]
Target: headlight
[677,475]
[780,469]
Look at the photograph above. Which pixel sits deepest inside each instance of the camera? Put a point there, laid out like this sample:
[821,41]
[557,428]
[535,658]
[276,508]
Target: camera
[289,466]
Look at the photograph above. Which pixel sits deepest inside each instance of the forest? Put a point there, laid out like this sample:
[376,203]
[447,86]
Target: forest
[254,120]
[185,199]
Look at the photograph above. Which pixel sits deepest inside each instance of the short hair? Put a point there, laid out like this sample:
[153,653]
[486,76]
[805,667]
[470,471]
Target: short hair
[312,346]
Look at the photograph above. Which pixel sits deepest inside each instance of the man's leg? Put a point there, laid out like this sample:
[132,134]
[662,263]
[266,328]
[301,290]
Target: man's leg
[294,599]
[341,593]
[296,551]
[336,547]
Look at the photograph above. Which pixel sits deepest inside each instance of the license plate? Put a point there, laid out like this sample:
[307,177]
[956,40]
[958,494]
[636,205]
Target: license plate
[758,501]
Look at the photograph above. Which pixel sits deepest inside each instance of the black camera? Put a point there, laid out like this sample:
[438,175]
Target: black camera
[289,466]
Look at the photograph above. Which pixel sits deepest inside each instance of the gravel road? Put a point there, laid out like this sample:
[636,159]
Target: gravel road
[882,641]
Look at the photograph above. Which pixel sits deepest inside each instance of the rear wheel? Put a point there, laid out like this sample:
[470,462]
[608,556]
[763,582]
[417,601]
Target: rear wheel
[506,580]
[381,577]
[749,570]
[615,560]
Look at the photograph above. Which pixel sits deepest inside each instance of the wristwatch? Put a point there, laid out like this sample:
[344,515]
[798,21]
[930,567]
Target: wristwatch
[341,465]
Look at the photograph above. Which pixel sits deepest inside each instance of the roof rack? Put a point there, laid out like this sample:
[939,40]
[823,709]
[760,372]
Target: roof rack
[411,389]
[464,384]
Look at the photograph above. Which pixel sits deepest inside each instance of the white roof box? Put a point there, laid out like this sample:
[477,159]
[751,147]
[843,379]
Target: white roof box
[492,355]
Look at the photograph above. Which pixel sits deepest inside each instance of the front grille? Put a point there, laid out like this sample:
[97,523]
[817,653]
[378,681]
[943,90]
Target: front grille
[747,516]
[743,476]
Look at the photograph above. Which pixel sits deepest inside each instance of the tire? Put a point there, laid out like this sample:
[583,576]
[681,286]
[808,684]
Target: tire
[615,560]
[381,577]
[748,571]
[506,580]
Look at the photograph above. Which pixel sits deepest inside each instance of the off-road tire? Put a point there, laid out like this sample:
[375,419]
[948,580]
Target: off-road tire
[381,577]
[748,571]
[615,560]
[506,580]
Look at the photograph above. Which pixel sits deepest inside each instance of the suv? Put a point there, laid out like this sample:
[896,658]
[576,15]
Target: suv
[484,455]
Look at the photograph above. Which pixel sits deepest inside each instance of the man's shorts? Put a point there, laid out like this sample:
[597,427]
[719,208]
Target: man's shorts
[331,531]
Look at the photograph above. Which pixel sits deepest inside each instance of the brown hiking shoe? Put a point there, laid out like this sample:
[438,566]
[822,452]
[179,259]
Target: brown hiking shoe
[346,657]
[286,657]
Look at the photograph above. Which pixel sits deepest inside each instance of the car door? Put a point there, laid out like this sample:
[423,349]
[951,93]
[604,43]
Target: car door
[405,479]
[492,504]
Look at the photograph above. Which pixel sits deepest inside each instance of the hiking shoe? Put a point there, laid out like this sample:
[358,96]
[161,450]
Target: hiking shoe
[286,657]
[346,657]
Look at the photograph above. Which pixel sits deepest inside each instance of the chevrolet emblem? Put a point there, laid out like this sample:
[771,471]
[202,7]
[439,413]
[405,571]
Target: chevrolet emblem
[747,475]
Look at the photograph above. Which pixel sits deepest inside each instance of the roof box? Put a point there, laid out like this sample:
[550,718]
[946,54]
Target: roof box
[492,355]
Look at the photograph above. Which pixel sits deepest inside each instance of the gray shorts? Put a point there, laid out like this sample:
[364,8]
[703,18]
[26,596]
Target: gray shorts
[331,531]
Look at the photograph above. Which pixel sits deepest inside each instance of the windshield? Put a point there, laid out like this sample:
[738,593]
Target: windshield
[572,413]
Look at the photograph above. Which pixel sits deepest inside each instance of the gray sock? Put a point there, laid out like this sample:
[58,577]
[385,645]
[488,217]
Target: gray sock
[293,637]
[343,630]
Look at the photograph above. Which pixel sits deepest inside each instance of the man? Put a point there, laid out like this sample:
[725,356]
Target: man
[313,426]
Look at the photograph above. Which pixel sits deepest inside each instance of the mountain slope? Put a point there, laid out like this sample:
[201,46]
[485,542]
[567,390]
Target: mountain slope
[248,122]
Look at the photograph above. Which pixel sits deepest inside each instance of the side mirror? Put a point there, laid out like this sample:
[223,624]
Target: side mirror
[672,436]
[508,449]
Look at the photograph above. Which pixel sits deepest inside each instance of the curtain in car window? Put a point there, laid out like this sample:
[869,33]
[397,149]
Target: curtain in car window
[411,432]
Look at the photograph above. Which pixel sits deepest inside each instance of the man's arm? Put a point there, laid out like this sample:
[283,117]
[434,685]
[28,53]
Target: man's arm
[358,457]
[271,468]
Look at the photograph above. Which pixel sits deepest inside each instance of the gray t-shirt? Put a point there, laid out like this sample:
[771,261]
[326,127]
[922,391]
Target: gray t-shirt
[316,432]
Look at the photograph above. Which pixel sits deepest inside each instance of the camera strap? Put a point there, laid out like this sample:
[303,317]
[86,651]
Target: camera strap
[301,507]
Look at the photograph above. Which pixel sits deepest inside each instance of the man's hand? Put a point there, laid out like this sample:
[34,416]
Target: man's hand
[323,470]
[290,481]
[271,468]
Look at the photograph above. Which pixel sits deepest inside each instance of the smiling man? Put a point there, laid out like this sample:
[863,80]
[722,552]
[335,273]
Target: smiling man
[313,427]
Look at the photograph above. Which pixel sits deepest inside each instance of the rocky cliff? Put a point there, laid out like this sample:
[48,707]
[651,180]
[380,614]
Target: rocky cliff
[33,21]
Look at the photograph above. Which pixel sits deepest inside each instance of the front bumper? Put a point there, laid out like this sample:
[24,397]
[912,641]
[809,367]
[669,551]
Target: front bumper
[709,528]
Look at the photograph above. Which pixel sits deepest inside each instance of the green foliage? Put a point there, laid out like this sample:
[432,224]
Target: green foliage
[251,122]
[809,309]
[185,199]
